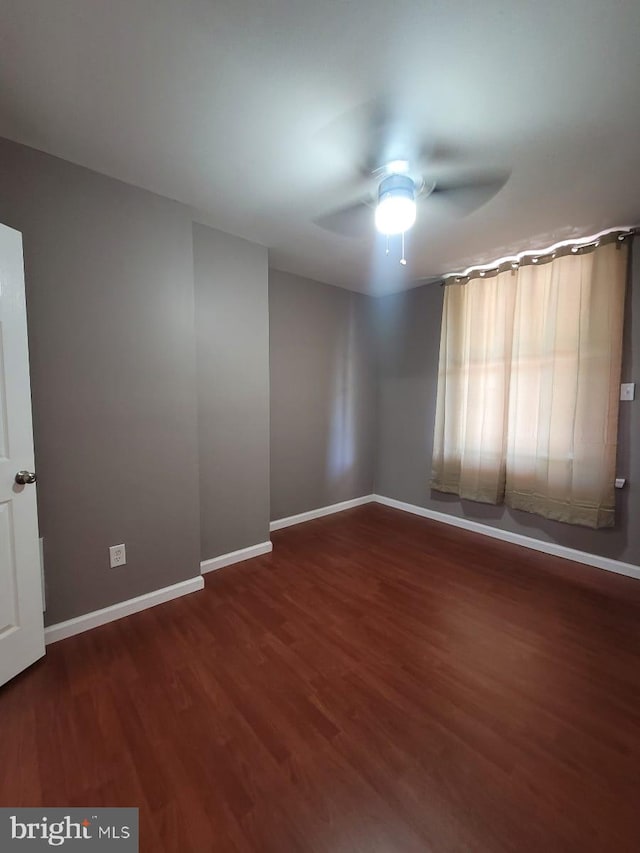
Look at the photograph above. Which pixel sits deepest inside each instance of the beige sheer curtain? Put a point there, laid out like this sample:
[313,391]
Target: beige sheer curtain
[528,381]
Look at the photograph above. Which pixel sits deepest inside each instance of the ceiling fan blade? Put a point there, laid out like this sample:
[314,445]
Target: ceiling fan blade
[372,134]
[466,193]
[433,154]
[390,138]
[354,220]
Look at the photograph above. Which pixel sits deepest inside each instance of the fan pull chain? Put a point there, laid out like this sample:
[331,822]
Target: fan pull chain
[387,252]
[403,260]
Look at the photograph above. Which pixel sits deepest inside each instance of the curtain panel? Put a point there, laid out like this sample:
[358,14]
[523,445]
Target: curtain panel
[528,382]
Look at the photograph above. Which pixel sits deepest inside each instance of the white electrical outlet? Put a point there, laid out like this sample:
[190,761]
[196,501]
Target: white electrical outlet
[627,390]
[117,556]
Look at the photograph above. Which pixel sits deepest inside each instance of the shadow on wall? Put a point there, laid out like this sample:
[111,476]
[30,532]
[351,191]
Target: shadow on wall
[341,448]
[323,391]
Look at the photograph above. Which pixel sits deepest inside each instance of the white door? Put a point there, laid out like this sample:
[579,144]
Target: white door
[21,628]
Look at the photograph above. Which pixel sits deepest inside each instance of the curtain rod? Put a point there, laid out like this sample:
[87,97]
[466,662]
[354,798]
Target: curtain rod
[564,247]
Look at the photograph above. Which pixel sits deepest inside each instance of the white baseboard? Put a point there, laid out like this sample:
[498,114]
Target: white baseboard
[588,559]
[87,621]
[77,625]
[279,523]
[236,557]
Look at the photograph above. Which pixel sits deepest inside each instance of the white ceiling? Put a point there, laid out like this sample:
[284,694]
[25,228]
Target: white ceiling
[231,106]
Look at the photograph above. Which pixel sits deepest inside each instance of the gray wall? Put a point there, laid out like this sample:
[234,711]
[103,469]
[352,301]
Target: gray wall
[408,334]
[109,283]
[121,452]
[232,323]
[323,394]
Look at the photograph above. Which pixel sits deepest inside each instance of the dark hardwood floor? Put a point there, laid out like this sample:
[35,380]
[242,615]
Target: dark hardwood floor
[380,683]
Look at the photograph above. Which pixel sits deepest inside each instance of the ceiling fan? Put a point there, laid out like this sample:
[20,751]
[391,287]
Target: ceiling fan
[399,193]
[403,176]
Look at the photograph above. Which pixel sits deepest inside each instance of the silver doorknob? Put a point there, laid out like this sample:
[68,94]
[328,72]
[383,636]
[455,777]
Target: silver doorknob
[23,478]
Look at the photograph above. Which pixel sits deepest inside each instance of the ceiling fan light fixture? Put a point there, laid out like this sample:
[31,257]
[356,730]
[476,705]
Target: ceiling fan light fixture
[396,209]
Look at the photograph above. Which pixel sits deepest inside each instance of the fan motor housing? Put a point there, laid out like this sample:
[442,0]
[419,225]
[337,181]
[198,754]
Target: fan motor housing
[397,185]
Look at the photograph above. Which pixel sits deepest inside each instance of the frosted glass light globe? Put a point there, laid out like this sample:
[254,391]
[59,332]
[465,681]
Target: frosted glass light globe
[395,214]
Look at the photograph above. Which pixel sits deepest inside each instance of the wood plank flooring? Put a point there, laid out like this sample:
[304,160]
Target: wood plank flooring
[379,684]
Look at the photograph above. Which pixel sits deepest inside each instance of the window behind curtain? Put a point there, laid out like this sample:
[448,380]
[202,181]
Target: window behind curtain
[527,406]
